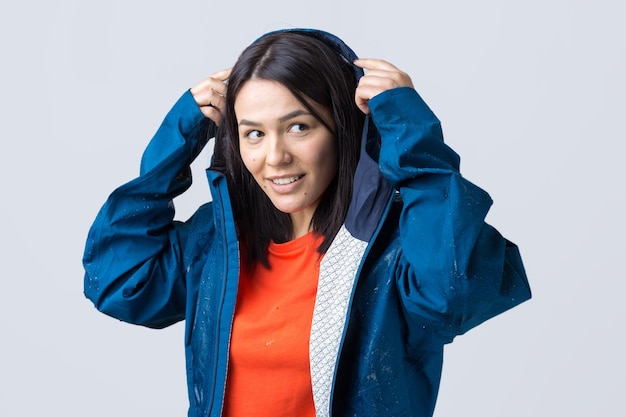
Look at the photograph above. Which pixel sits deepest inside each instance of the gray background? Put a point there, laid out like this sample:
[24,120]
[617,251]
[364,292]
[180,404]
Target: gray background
[531,94]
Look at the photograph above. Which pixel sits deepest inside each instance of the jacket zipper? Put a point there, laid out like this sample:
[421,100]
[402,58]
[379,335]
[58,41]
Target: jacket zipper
[219,201]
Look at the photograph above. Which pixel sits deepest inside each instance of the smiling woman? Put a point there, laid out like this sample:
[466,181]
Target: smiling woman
[342,249]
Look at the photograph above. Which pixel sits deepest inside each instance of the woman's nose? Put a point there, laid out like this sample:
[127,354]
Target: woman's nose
[277,152]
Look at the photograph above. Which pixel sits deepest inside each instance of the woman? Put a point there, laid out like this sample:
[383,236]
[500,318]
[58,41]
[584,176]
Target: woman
[342,249]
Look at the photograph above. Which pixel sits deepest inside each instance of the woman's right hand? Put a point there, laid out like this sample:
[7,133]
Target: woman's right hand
[209,94]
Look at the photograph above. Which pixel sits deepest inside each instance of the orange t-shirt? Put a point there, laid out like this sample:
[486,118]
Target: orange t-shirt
[268,370]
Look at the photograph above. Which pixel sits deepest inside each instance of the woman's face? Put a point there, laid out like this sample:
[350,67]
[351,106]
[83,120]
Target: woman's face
[289,152]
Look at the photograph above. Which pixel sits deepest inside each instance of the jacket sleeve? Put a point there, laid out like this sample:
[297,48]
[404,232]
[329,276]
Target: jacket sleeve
[133,254]
[456,271]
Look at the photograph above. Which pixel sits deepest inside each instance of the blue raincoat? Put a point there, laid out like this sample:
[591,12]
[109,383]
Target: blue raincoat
[414,265]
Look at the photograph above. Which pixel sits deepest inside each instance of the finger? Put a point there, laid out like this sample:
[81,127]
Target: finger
[377,69]
[375,64]
[222,75]
[205,96]
[214,100]
[397,78]
[381,81]
[364,92]
[212,113]
[205,89]
[213,108]
[218,101]
[218,80]
[362,104]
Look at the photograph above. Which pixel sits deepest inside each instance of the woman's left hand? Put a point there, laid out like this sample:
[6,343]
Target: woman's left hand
[379,76]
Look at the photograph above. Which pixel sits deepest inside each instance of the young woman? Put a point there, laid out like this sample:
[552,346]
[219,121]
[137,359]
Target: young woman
[342,249]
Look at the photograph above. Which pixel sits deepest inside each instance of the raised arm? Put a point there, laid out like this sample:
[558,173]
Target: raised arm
[133,258]
[456,271]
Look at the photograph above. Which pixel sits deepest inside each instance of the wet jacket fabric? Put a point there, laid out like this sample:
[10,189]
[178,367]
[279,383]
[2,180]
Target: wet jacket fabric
[414,265]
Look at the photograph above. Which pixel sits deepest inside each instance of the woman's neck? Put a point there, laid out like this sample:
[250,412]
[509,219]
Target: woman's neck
[301,223]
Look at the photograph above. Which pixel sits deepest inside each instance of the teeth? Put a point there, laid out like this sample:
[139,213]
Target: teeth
[283,181]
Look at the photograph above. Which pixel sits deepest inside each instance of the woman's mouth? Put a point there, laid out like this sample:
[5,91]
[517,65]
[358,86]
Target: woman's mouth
[286,180]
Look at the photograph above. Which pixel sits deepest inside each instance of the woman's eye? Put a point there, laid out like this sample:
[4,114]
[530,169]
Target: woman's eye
[254,134]
[298,127]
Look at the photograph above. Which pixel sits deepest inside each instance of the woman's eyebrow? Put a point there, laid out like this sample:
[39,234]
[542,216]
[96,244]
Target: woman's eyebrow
[281,119]
[293,114]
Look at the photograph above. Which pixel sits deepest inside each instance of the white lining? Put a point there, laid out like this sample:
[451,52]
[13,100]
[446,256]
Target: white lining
[337,273]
